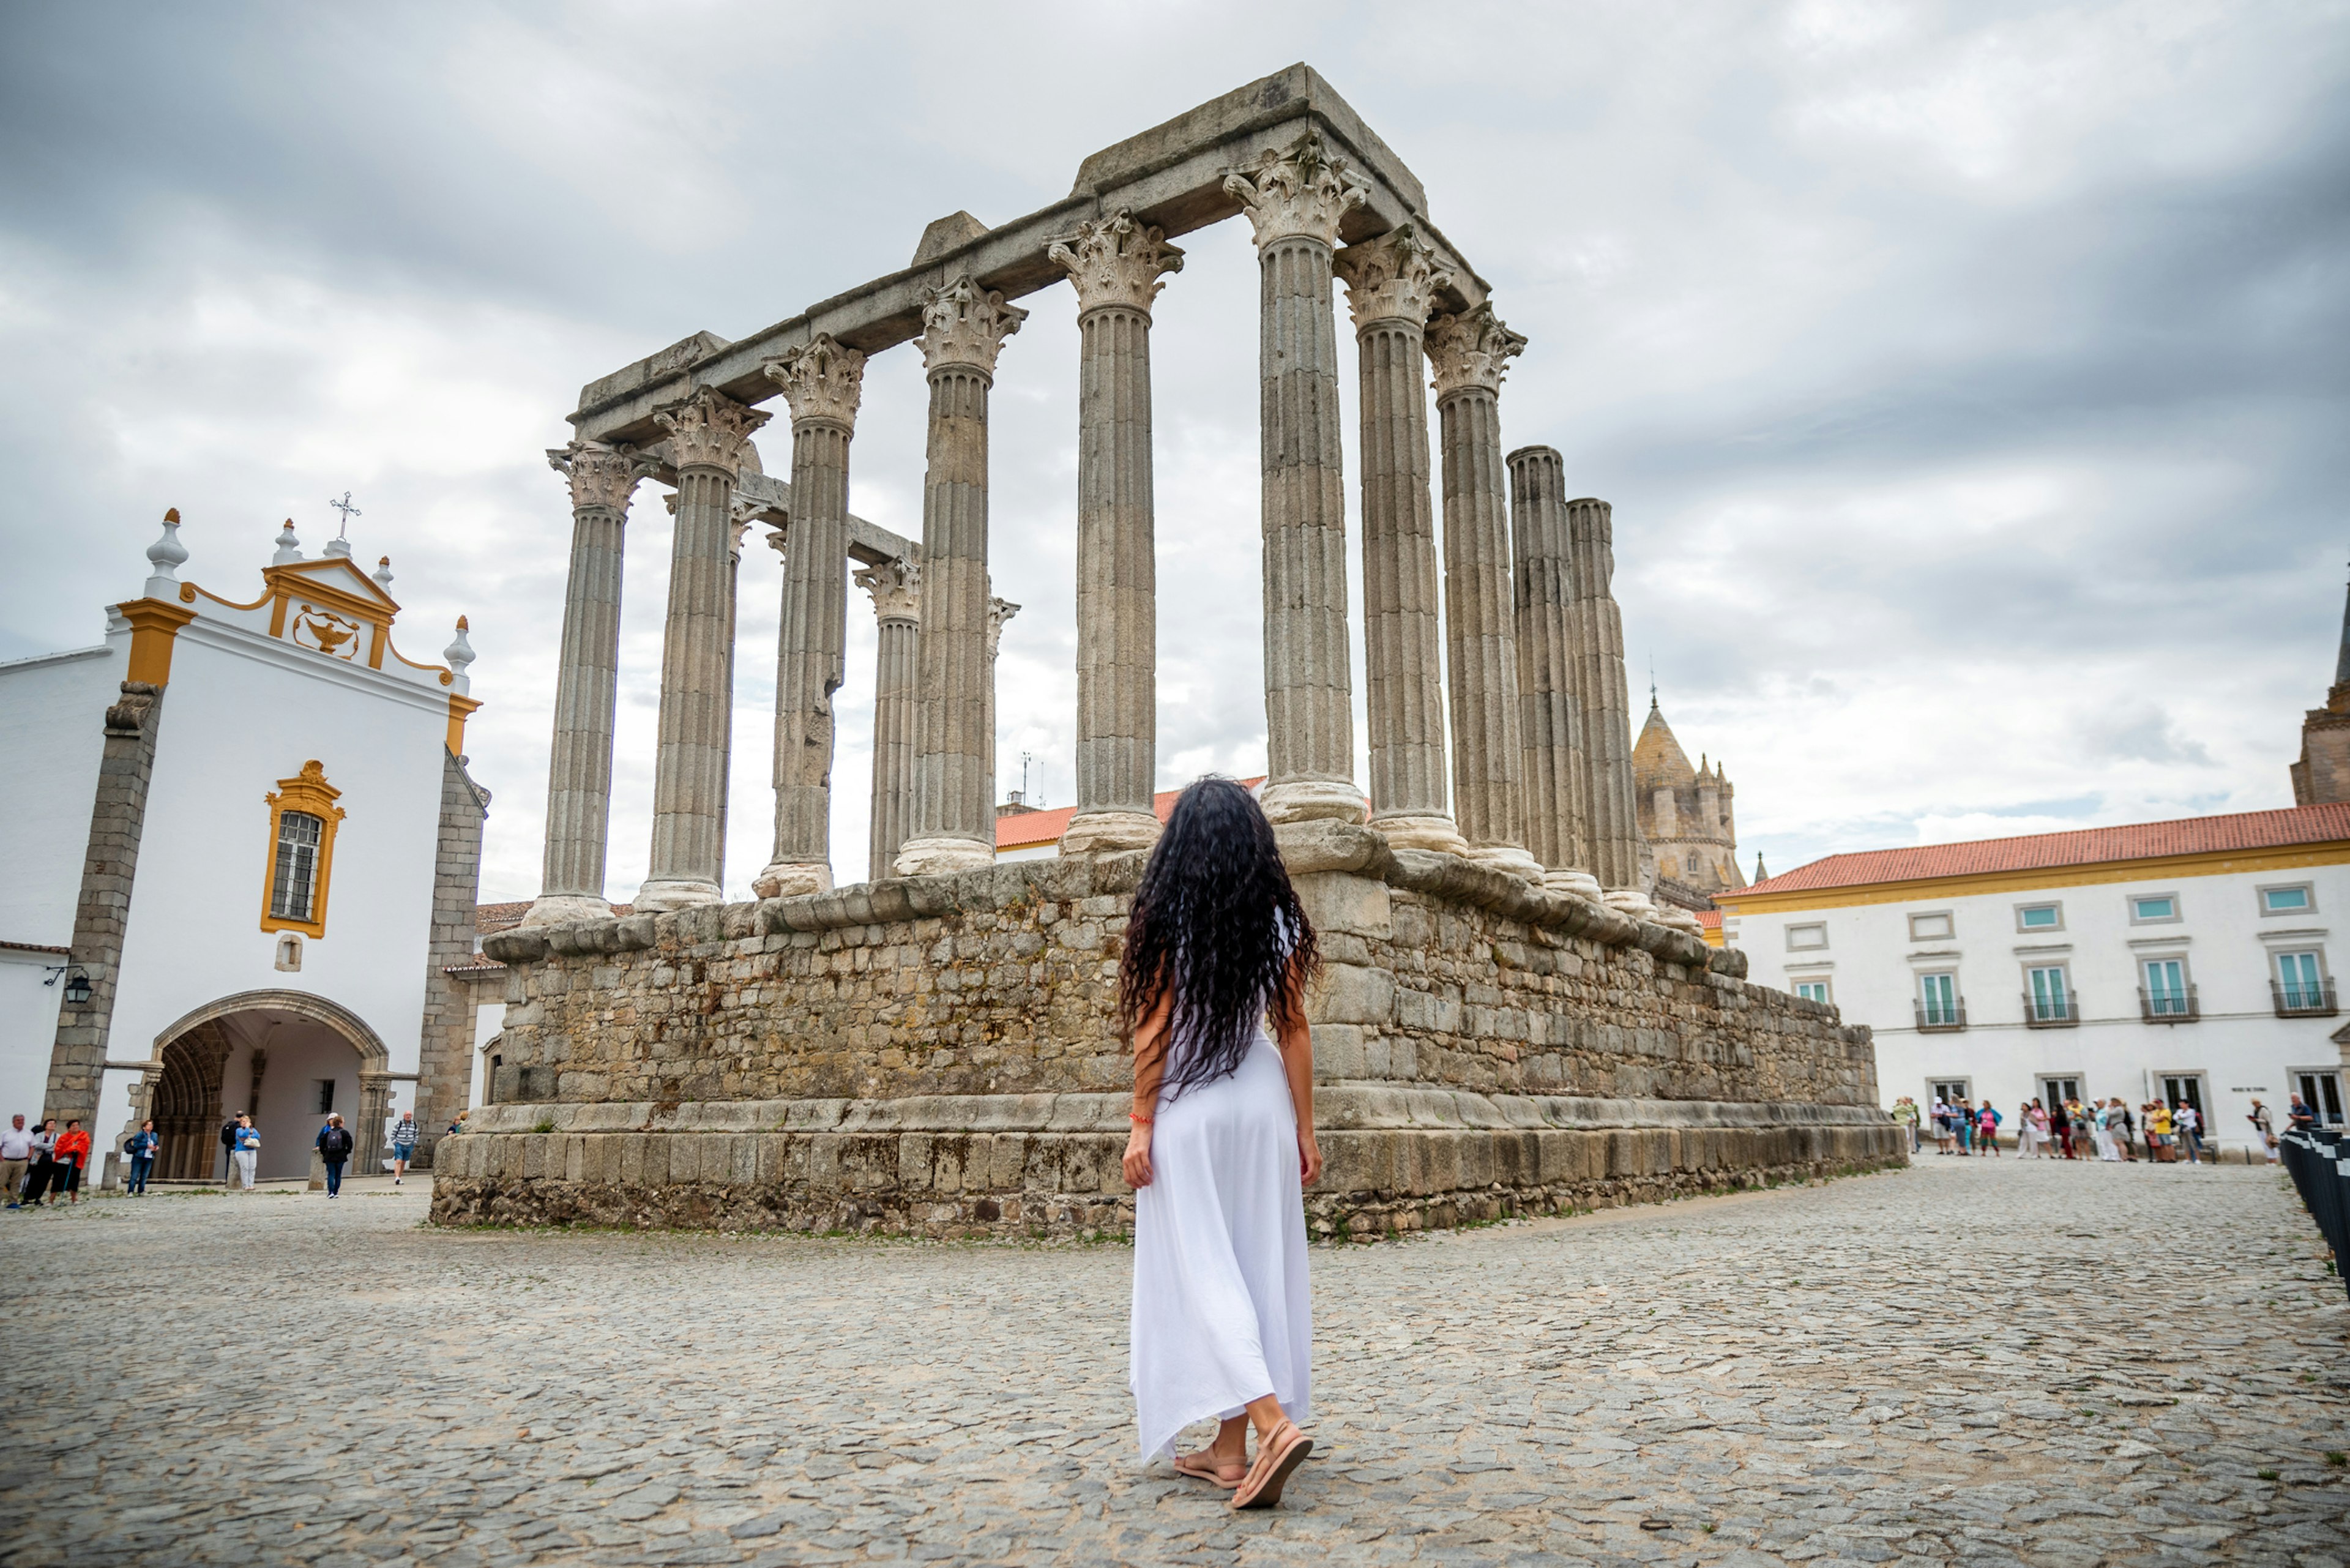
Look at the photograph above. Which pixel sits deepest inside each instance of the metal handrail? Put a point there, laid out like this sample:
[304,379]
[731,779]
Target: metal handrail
[2168,1006]
[1940,1020]
[2051,1013]
[2297,1000]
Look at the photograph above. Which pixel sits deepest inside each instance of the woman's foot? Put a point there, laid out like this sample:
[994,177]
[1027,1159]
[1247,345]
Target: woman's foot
[1226,1470]
[1278,1454]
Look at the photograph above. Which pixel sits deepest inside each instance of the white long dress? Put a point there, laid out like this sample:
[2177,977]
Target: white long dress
[1220,1309]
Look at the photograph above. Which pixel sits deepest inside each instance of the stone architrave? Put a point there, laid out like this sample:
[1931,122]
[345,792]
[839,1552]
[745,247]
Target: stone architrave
[897,590]
[823,383]
[1606,708]
[1391,286]
[586,685]
[998,612]
[1294,201]
[708,435]
[1118,267]
[1470,353]
[1550,673]
[963,327]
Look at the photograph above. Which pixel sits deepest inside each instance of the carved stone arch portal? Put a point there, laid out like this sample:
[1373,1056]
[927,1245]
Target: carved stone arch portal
[185,1096]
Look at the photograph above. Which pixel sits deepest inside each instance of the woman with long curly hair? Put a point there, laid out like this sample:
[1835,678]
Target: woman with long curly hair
[1222,1146]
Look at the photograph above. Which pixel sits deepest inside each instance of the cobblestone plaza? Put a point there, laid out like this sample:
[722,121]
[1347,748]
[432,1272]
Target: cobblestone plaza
[2064,1365]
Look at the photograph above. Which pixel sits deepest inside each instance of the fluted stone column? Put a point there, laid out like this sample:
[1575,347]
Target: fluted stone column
[1294,201]
[738,526]
[708,434]
[1116,266]
[1391,285]
[998,612]
[823,383]
[1550,708]
[963,327]
[587,686]
[1470,353]
[897,590]
[1606,708]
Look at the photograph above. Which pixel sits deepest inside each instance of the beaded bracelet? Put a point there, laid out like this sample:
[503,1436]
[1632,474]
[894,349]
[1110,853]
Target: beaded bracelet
[1138,1121]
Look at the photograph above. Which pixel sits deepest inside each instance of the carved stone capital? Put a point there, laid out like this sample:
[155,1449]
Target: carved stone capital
[709,430]
[600,475]
[1391,278]
[821,380]
[963,324]
[895,587]
[1301,194]
[998,612]
[1471,350]
[1115,261]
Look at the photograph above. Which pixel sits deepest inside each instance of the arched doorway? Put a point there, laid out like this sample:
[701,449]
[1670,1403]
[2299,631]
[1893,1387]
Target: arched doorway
[287,1058]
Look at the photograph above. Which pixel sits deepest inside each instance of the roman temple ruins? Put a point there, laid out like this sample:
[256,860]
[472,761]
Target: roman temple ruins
[1506,1021]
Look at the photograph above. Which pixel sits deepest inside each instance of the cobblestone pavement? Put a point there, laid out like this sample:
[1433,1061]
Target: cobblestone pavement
[1968,1359]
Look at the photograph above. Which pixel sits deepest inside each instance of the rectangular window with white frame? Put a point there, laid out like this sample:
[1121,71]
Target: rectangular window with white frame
[2048,995]
[2301,984]
[1807,937]
[1938,1001]
[2154,908]
[2320,1089]
[1816,990]
[2040,917]
[1931,926]
[2292,899]
[2165,989]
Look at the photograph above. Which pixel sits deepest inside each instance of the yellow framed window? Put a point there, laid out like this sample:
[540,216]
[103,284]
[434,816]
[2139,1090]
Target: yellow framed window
[303,818]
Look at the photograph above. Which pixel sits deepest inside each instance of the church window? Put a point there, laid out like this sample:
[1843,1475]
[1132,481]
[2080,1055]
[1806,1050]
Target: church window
[289,953]
[1810,936]
[324,1089]
[303,818]
[1933,926]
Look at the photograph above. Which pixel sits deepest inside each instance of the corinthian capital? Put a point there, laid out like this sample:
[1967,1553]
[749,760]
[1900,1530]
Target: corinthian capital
[895,587]
[1300,194]
[1471,350]
[1391,278]
[963,324]
[998,612]
[1115,261]
[600,475]
[709,430]
[821,380]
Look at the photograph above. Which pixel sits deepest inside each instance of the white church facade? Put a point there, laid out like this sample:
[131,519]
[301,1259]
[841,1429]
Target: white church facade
[244,853]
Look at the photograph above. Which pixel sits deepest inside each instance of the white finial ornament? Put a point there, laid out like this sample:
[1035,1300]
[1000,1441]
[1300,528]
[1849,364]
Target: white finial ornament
[383,574]
[458,654]
[165,556]
[289,548]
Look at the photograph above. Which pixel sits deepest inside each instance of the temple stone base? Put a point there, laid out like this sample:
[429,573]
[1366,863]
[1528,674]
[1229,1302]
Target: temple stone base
[939,1055]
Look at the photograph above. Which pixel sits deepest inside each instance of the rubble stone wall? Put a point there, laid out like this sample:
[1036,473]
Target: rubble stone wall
[940,1055]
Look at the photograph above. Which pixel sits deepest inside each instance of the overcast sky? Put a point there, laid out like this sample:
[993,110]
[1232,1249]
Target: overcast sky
[1970,380]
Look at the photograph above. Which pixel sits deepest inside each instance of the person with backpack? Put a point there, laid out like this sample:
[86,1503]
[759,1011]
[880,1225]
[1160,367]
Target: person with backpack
[140,1149]
[403,1145]
[335,1147]
[228,1150]
[45,1165]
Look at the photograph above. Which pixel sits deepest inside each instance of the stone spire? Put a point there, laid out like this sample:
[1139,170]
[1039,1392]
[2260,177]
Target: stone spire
[165,556]
[2323,774]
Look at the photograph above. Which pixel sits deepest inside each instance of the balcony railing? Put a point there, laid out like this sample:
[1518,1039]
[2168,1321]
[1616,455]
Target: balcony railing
[2050,1012]
[2168,1006]
[1940,1017]
[2299,1001]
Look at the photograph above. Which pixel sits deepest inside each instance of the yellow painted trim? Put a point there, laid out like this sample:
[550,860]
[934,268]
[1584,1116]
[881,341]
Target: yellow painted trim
[370,601]
[1712,934]
[460,707]
[446,676]
[2208,863]
[309,792]
[189,593]
[154,630]
[376,645]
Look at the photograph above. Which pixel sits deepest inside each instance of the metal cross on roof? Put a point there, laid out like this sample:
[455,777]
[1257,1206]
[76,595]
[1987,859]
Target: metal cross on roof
[348,512]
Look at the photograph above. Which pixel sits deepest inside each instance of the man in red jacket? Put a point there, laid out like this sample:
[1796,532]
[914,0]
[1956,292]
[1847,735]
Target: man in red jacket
[72,1154]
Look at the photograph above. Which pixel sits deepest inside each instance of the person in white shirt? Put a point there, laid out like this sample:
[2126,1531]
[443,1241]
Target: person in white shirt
[2189,1123]
[15,1157]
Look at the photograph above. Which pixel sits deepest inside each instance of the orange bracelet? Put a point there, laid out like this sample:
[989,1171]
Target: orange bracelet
[1138,1121]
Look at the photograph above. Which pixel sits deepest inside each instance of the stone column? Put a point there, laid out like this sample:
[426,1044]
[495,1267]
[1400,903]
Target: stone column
[1116,266]
[823,382]
[897,590]
[1470,353]
[587,686]
[1606,708]
[1390,288]
[708,434]
[963,327]
[1550,673]
[1294,201]
[998,612]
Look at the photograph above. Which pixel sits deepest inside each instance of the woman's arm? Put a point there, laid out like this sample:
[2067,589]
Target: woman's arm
[1149,1071]
[1297,1058]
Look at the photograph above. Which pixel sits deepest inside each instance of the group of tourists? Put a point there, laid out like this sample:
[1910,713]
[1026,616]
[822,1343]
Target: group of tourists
[2107,1129]
[40,1167]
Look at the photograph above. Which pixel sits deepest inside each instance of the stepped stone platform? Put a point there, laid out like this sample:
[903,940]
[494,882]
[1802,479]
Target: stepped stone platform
[939,1055]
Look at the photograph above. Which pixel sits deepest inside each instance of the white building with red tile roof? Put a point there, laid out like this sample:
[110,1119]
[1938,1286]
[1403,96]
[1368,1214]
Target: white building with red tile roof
[1037,834]
[2186,960]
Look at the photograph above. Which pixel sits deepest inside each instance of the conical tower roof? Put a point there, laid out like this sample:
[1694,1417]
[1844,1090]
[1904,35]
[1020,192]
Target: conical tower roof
[1658,760]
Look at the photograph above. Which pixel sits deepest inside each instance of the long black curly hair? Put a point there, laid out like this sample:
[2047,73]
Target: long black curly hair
[1216,919]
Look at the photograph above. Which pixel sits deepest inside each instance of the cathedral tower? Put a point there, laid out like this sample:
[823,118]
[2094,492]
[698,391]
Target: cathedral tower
[1687,813]
[2324,771]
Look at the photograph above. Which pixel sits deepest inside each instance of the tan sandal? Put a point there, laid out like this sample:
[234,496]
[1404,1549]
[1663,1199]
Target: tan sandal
[1205,1466]
[1279,1453]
